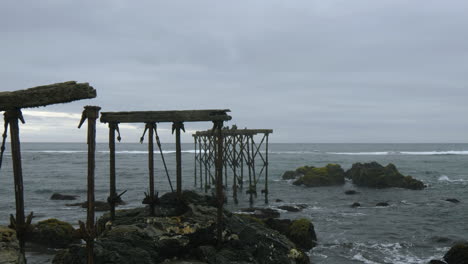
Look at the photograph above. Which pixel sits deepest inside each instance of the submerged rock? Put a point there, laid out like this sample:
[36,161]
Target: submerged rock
[332,174]
[350,192]
[53,233]
[185,229]
[458,254]
[354,205]
[383,204]
[58,196]
[9,247]
[452,200]
[375,175]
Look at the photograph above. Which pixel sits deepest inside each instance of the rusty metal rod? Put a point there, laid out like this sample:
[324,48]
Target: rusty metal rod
[151,127]
[112,188]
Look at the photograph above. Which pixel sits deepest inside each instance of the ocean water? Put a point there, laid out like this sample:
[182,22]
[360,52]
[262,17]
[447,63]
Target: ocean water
[416,227]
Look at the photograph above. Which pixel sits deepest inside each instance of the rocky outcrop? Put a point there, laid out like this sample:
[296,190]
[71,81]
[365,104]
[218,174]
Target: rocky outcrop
[291,175]
[332,174]
[9,247]
[99,206]
[185,229]
[58,196]
[300,231]
[375,175]
[458,254]
[53,233]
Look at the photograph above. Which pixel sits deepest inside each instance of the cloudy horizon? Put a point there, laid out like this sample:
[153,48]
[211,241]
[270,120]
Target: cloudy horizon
[313,71]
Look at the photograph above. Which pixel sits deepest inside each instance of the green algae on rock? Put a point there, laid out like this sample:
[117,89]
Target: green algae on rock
[330,175]
[375,175]
[53,233]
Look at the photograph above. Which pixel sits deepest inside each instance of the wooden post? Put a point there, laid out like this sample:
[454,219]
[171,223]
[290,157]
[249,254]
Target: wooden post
[12,117]
[266,169]
[177,126]
[195,161]
[151,127]
[112,188]
[91,113]
[218,126]
[200,161]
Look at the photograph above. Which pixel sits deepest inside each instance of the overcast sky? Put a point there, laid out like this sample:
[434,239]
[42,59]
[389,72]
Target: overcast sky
[314,71]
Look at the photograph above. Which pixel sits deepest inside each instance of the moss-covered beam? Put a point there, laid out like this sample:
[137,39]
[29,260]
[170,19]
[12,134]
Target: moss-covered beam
[46,95]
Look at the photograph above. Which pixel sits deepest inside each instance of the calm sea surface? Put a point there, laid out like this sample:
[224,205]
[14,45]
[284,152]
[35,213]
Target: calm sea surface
[418,226]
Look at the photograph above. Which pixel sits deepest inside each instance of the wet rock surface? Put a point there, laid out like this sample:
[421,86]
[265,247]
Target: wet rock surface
[185,229]
[458,254]
[377,176]
[9,247]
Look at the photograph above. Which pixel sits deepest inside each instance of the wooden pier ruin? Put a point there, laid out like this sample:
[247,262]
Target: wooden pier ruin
[12,103]
[177,118]
[243,157]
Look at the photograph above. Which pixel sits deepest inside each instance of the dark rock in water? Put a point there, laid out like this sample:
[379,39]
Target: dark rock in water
[188,237]
[53,233]
[354,205]
[290,208]
[300,231]
[58,196]
[290,175]
[278,200]
[382,204]
[261,213]
[350,192]
[452,200]
[99,206]
[458,254]
[9,247]
[436,261]
[332,174]
[375,175]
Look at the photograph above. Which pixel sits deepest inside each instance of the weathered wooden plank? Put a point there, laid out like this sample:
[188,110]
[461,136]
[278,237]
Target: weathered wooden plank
[46,95]
[166,116]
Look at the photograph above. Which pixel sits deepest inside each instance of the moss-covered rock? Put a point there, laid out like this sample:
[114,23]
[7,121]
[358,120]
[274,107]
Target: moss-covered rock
[53,233]
[290,175]
[302,233]
[375,175]
[332,174]
[458,254]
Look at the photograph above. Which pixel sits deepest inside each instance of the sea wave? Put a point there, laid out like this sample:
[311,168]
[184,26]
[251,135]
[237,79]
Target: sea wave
[421,153]
[445,178]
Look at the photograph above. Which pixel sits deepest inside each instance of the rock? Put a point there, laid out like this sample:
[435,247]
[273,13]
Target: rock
[290,208]
[350,192]
[278,201]
[300,231]
[262,213]
[375,175]
[99,206]
[458,254]
[185,234]
[58,196]
[332,174]
[290,175]
[436,261]
[354,205]
[382,204]
[53,233]
[452,200]
[9,247]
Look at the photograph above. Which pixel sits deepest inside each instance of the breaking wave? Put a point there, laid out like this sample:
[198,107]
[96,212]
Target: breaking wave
[422,153]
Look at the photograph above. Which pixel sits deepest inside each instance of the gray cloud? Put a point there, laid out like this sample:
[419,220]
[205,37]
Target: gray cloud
[315,71]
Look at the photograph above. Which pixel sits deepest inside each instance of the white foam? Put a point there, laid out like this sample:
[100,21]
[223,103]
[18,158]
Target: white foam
[360,257]
[445,178]
[421,153]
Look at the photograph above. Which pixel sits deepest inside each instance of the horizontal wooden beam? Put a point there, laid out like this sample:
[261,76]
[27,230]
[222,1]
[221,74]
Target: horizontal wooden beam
[166,116]
[46,95]
[232,132]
